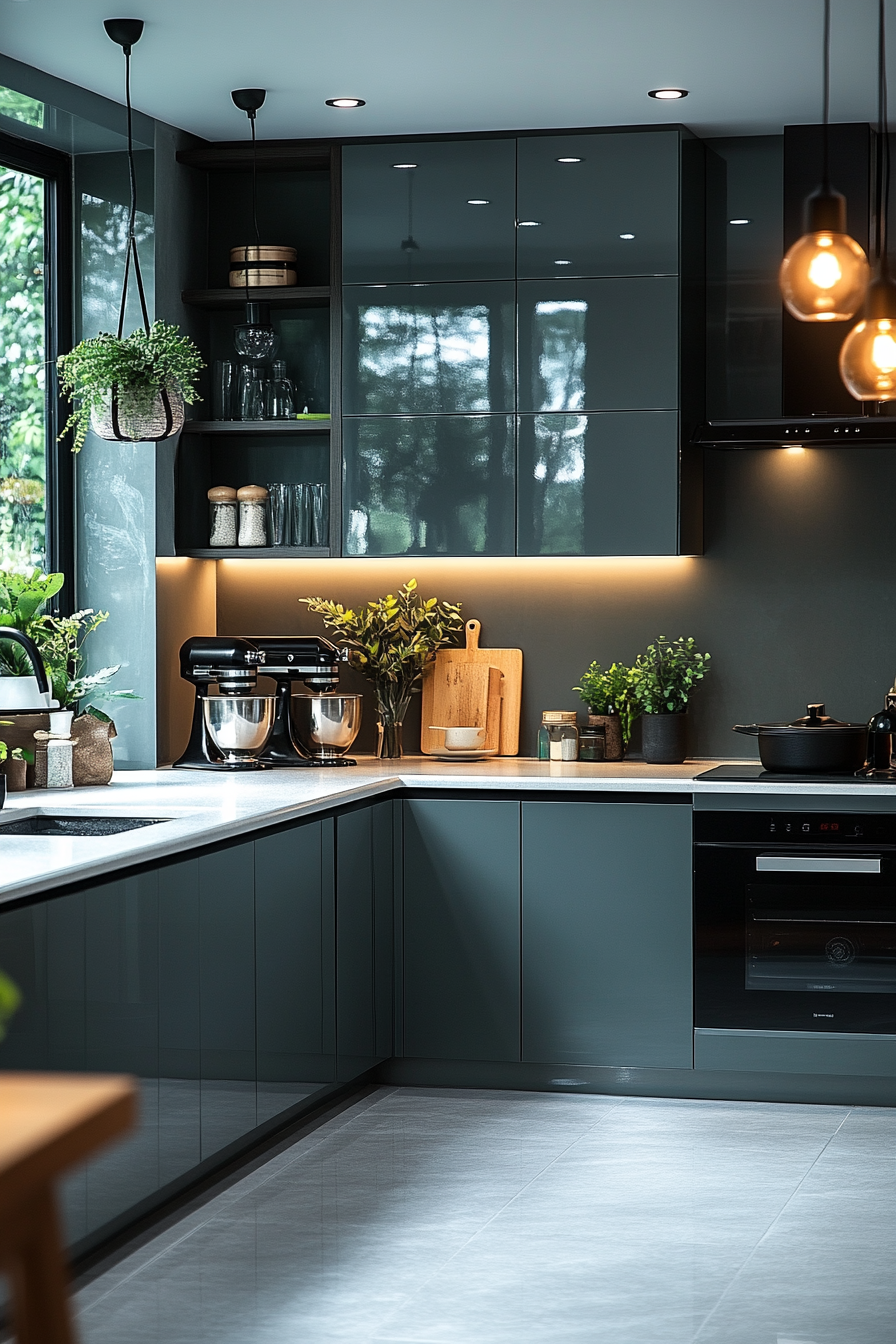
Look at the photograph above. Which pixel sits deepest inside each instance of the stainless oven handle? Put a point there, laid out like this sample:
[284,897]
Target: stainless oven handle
[798,863]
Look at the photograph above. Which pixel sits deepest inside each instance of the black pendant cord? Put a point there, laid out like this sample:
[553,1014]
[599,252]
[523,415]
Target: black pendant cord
[826,100]
[131,250]
[883,137]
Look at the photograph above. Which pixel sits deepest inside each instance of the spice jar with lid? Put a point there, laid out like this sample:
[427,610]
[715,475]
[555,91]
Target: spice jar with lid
[558,737]
[253,506]
[593,743]
[222,509]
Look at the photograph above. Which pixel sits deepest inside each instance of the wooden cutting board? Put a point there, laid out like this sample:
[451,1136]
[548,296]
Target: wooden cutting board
[466,695]
[508,661]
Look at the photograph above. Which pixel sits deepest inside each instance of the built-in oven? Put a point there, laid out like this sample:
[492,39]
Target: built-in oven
[795,921]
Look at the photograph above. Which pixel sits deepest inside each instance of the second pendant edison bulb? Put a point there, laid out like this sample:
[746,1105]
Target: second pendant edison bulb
[825,274]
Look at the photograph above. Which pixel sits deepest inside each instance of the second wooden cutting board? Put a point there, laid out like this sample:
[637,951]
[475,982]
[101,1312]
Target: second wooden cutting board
[510,663]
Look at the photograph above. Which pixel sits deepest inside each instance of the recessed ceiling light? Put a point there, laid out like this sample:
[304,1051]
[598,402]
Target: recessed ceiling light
[404,165]
[740,221]
[478,202]
[626,235]
[529,224]
[562,263]
[668,95]
[569,160]
[345,102]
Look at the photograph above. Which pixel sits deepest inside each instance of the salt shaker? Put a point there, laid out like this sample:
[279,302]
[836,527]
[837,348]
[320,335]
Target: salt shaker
[253,501]
[222,509]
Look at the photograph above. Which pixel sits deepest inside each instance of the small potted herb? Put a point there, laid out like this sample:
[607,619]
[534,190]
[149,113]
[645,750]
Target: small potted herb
[14,765]
[612,704]
[664,676]
[116,384]
[390,642]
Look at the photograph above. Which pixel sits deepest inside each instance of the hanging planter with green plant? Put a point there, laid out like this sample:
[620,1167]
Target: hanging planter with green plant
[130,388]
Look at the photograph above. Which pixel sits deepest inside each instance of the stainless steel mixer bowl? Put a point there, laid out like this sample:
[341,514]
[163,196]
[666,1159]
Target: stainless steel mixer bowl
[239,725]
[326,725]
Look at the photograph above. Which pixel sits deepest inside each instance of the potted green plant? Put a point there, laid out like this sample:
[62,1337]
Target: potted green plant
[13,765]
[132,387]
[390,641]
[664,677]
[612,703]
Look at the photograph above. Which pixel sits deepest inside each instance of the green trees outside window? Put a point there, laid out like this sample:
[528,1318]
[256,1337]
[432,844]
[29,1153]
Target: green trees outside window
[23,411]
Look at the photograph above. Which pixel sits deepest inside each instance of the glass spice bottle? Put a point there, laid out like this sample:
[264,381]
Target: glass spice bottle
[253,508]
[222,511]
[558,737]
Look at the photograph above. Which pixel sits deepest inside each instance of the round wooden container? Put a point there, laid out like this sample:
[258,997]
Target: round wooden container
[268,266]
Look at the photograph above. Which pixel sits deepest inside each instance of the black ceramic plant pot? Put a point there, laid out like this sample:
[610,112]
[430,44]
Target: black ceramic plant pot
[664,738]
[2,790]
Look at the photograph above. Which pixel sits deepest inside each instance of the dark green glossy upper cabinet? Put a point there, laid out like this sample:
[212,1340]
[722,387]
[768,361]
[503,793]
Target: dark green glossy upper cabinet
[426,211]
[428,349]
[599,345]
[604,204]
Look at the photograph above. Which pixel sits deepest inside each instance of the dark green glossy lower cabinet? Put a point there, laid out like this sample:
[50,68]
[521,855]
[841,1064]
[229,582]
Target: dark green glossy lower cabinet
[364,935]
[461,929]
[212,980]
[606,929]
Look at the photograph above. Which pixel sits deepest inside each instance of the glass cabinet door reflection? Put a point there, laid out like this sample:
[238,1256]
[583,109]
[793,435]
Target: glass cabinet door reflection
[428,349]
[436,211]
[603,204]
[429,485]
[601,484]
[599,344]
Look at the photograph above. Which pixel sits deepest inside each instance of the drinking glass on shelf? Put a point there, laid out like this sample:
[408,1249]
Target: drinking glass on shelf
[224,390]
[298,499]
[283,398]
[278,513]
[319,514]
[251,392]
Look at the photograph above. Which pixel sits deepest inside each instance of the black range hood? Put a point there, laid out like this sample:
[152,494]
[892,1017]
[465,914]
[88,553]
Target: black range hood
[822,431]
[816,407]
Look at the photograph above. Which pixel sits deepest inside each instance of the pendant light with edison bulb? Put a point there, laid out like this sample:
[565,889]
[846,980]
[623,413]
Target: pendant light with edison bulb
[824,275]
[868,355]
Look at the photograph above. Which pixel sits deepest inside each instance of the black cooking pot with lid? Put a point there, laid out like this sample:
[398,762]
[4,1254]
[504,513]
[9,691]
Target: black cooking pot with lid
[814,744]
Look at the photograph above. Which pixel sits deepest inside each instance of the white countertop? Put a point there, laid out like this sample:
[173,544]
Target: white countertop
[205,807]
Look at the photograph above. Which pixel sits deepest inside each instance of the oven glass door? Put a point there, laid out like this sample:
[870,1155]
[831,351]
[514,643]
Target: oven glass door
[801,942]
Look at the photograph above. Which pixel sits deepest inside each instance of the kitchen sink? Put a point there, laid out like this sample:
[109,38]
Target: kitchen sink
[50,825]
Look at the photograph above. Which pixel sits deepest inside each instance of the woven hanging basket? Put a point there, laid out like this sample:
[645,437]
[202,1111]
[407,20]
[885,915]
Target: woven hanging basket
[123,422]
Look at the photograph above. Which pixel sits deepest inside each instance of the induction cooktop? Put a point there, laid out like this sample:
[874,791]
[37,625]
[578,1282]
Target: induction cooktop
[750,773]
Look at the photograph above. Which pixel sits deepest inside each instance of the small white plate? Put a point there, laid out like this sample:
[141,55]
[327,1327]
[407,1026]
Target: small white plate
[463,755]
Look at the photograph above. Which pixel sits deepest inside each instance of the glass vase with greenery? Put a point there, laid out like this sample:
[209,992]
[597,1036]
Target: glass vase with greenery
[666,673]
[390,641]
[59,639]
[137,367]
[611,691]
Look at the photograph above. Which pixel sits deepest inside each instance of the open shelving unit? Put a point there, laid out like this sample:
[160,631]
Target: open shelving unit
[298,205]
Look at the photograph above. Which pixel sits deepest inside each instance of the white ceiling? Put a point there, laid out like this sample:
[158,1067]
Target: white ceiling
[752,66]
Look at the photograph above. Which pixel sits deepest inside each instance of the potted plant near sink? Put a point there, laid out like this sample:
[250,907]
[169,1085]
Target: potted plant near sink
[664,677]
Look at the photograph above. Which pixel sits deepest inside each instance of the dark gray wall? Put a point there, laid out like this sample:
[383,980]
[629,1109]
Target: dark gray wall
[795,597]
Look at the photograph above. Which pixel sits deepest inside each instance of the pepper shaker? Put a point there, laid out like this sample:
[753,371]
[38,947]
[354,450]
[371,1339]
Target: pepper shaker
[253,507]
[222,510]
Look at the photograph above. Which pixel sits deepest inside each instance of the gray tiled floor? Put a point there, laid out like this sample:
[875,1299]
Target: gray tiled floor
[443,1217]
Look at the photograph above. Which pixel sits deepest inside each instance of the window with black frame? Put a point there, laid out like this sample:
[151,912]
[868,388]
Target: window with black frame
[34,508]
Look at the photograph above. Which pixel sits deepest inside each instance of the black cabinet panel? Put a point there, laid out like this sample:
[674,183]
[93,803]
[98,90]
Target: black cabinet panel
[612,210]
[461,929]
[599,344]
[429,485]
[600,484]
[606,931]
[428,349]
[425,222]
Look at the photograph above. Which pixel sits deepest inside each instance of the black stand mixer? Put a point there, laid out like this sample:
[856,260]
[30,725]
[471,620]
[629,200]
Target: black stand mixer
[233,665]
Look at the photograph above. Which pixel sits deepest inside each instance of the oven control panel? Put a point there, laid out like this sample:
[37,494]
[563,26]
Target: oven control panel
[794,828]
